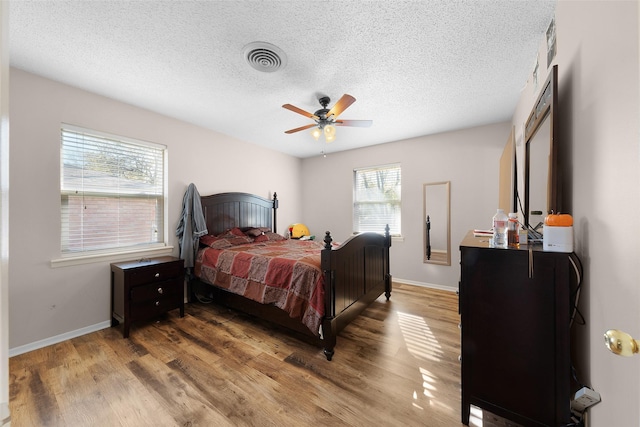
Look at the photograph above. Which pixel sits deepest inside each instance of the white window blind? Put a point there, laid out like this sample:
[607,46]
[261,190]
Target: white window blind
[112,192]
[376,199]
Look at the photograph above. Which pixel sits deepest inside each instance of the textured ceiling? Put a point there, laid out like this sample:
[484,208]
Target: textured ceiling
[415,67]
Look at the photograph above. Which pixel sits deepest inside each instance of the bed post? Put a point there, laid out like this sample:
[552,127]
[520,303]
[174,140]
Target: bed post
[387,279]
[275,211]
[328,328]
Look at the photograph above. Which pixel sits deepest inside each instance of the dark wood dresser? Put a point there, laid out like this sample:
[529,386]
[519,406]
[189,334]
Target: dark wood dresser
[515,309]
[143,289]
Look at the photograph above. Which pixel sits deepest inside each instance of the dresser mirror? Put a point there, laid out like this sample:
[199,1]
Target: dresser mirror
[541,175]
[436,224]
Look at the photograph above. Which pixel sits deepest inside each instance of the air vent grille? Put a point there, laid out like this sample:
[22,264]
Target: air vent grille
[264,57]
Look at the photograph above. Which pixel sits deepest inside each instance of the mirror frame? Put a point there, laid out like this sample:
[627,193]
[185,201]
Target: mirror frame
[546,106]
[439,257]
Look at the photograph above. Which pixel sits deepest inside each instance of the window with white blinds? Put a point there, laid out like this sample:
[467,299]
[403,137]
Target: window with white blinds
[112,192]
[376,199]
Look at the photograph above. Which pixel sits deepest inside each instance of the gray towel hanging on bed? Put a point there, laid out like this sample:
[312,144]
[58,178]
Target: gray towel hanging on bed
[191,225]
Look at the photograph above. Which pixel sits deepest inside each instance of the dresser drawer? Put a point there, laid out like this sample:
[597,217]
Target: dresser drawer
[156,273]
[156,290]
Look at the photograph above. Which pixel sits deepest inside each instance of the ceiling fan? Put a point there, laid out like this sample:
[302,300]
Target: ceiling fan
[325,119]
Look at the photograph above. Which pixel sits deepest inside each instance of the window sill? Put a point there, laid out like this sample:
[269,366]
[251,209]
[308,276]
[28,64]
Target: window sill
[394,237]
[110,256]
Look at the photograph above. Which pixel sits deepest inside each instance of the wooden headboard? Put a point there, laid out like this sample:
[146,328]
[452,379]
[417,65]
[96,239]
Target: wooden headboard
[227,210]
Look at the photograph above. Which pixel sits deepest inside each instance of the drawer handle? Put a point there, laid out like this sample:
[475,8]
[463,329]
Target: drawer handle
[157,303]
[157,275]
[160,291]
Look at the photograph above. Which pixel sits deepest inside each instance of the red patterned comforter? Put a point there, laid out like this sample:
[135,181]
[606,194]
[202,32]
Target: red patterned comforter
[285,273]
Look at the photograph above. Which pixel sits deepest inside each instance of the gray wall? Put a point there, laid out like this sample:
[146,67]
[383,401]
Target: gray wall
[599,102]
[469,158]
[48,302]
[4,210]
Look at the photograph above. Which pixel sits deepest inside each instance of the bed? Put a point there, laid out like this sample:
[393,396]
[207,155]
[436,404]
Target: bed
[348,276]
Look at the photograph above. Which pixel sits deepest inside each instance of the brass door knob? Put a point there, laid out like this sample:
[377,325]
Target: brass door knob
[621,343]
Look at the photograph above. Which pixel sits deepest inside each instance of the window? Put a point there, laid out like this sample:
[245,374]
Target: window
[376,199]
[112,192]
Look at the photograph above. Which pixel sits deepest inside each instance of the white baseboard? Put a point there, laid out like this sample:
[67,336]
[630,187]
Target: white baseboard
[106,324]
[58,338]
[425,285]
[5,416]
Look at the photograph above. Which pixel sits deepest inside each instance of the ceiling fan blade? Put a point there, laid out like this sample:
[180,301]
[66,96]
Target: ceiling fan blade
[342,104]
[300,111]
[300,128]
[356,123]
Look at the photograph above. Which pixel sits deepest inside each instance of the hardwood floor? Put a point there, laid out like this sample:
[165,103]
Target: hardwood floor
[397,364]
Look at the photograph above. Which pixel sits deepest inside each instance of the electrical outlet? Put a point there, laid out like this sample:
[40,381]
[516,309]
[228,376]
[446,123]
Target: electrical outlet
[584,398]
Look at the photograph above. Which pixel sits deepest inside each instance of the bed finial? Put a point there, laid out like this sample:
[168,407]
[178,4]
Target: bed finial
[327,240]
[275,213]
[387,235]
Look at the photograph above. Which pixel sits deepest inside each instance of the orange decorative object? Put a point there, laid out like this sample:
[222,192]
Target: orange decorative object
[558,220]
[296,231]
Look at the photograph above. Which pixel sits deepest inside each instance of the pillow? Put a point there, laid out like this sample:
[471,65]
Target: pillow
[268,236]
[207,240]
[254,232]
[224,241]
[233,231]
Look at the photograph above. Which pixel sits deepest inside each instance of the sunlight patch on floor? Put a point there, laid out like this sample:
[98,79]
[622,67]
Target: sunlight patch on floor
[423,345]
[427,395]
[418,337]
[475,419]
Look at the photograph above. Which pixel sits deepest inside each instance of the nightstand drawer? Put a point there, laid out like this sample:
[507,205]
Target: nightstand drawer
[156,290]
[151,308]
[156,273]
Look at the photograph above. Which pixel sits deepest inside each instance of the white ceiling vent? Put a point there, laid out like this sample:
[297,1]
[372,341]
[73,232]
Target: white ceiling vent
[264,56]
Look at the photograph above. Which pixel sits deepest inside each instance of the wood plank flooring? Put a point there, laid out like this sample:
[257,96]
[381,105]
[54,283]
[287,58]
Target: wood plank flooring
[397,364]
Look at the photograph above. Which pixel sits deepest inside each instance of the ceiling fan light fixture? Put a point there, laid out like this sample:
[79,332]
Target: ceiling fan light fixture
[329,133]
[316,132]
[325,119]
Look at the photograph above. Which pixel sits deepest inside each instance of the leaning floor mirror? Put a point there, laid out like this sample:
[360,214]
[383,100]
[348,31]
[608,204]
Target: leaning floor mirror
[437,230]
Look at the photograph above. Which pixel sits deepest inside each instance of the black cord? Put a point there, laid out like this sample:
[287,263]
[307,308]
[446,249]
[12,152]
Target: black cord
[533,235]
[582,321]
[197,286]
[576,422]
[519,201]
[574,374]
[576,294]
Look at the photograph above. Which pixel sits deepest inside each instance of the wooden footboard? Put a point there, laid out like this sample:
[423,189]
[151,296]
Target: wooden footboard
[356,274]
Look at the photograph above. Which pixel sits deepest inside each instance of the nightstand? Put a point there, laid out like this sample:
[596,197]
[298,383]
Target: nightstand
[143,289]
